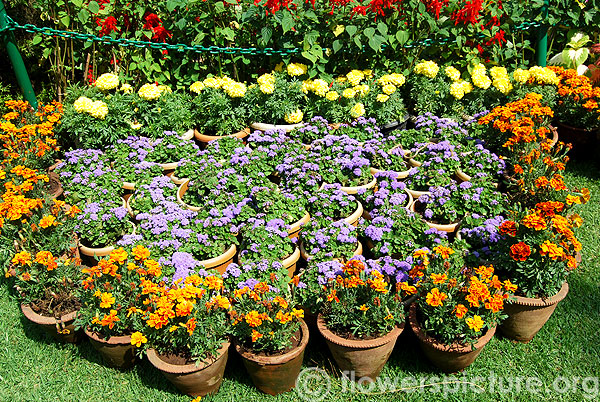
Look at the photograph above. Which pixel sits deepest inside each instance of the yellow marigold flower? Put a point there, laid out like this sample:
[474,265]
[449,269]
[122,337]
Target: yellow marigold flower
[267,88]
[503,85]
[235,89]
[294,117]
[363,308]
[357,110]
[349,93]
[460,311]
[119,255]
[82,104]
[212,82]
[382,98]
[140,253]
[332,96]
[196,87]
[427,68]
[498,72]
[106,300]
[137,339]
[22,258]
[98,109]
[456,90]
[355,77]
[521,76]
[389,89]
[297,313]
[475,323]
[107,81]
[362,90]
[149,92]
[306,86]
[126,89]
[452,73]
[135,126]
[296,69]
[47,221]
[266,79]
[481,80]
[439,279]
[443,251]
[320,87]
[467,87]
[551,250]
[435,298]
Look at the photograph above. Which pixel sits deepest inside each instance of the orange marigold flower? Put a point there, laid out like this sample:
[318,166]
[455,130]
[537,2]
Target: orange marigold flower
[363,307]
[495,303]
[110,319]
[436,298]
[190,325]
[106,300]
[213,282]
[283,317]
[137,339]
[22,258]
[26,276]
[140,252]
[534,221]
[509,228]
[119,255]
[475,323]
[47,221]
[256,335]
[253,318]
[411,290]
[460,310]
[520,251]
[510,287]
[443,251]
[551,250]
[439,278]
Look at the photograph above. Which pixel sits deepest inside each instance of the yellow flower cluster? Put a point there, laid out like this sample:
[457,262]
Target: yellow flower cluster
[97,109]
[355,77]
[362,90]
[150,92]
[266,83]
[521,76]
[393,79]
[197,87]
[294,117]
[480,78]
[452,73]
[427,68]
[126,88]
[332,96]
[319,87]
[382,98]
[500,79]
[235,89]
[389,89]
[349,93]
[357,110]
[543,75]
[107,81]
[459,89]
[296,69]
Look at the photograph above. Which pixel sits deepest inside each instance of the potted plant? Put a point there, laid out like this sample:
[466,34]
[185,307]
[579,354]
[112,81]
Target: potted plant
[387,155]
[271,204]
[325,239]
[390,193]
[268,333]
[112,302]
[168,150]
[537,252]
[219,109]
[362,316]
[331,202]
[147,196]
[185,332]
[458,308]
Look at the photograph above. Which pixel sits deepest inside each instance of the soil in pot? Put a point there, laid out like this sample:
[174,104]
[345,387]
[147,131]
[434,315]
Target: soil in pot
[275,374]
[56,320]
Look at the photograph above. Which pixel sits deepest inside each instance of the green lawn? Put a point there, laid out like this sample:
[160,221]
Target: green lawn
[35,368]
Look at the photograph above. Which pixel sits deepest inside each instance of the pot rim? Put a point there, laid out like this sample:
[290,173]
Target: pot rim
[207,138]
[306,256]
[168,166]
[183,187]
[538,302]
[353,218]
[448,227]
[213,262]
[45,320]
[401,175]
[113,340]
[279,359]
[102,251]
[298,224]
[154,358]
[175,179]
[292,258]
[354,190]
[357,344]
[267,126]
[434,343]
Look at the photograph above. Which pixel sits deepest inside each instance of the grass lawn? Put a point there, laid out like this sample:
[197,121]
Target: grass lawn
[35,368]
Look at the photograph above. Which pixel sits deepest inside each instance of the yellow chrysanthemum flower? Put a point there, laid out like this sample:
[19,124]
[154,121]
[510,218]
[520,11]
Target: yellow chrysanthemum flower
[332,96]
[389,89]
[266,79]
[98,109]
[498,72]
[357,110]
[382,98]
[355,77]
[349,93]
[481,80]
[107,81]
[267,88]
[503,85]
[452,73]
[521,76]
[235,89]
[149,92]
[82,104]
[456,90]
[306,86]
[362,90]
[126,89]
[196,87]
[212,82]
[427,68]
[296,69]
[320,87]
[294,117]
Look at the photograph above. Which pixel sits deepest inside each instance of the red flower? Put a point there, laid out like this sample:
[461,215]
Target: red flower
[520,251]
[469,14]
[152,21]
[161,34]
[108,25]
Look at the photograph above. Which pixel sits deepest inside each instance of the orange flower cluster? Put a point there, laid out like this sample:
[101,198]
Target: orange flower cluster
[577,94]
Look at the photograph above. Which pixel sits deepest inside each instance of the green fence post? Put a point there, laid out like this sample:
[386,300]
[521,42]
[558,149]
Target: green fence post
[8,40]
[542,39]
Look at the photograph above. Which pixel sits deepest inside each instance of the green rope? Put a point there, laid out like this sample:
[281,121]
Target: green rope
[13,25]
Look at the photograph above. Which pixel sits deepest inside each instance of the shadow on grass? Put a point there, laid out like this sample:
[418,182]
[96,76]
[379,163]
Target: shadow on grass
[151,377]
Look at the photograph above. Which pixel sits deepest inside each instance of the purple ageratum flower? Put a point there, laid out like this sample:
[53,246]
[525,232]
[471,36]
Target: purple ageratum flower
[184,264]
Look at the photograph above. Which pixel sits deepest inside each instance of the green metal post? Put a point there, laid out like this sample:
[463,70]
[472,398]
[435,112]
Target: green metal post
[8,40]
[542,40]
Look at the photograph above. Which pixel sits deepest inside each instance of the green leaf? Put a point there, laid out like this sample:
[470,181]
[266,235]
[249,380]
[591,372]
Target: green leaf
[93,7]
[357,41]
[83,15]
[47,52]
[36,39]
[402,37]
[219,7]
[228,33]
[171,5]
[351,29]
[132,66]
[287,22]
[369,32]
[382,28]
[266,33]
[308,55]
[77,3]
[337,45]
[375,43]
[66,20]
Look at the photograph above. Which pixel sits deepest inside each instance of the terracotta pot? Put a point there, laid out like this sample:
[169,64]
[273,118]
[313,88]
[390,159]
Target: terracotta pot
[306,256]
[354,190]
[208,138]
[117,351]
[168,167]
[191,379]
[526,316]
[101,251]
[175,179]
[180,193]
[275,374]
[188,135]
[128,186]
[462,176]
[54,180]
[414,163]
[61,329]
[127,197]
[416,194]
[290,262]
[353,219]
[449,228]
[401,175]
[448,358]
[294,229]
[585,142]
[266,126]
[365,358]
[221,262]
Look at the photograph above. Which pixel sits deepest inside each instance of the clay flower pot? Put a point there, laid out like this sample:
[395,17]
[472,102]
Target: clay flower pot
[188,135]
[61,329]
[448,358]
[306,256]
[415,194]
[208,138]
[117,351]
[290,262]
[275,374]
[353,219]
[221,262]
[101,251]
[354,190]
[200,380]
[175,179]
[526,316]
[462,176]
[181,192]
[266,126]
[449,228]
[294,229]
[365,358]
[585,141]
[54,186]
[401,175]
